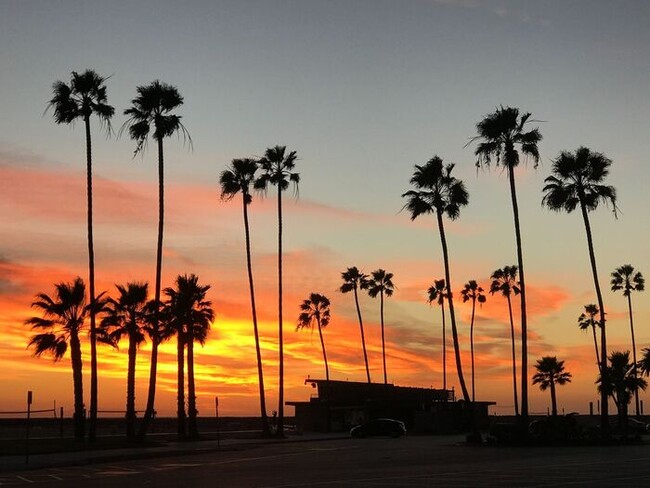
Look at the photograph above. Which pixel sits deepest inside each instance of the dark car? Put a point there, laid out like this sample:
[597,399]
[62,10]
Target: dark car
[379,427]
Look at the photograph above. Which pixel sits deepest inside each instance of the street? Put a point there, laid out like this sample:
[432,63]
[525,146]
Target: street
[369,463]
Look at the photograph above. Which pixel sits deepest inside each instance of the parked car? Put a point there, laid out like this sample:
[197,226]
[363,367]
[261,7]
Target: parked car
[379,427]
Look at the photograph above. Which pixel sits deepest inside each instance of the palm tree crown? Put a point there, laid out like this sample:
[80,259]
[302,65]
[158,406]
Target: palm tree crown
[550,373]
[239,178]
[472,291]
[625,278]
[381,284]
[277,169]
[504,281]
[84,96]
[353,279]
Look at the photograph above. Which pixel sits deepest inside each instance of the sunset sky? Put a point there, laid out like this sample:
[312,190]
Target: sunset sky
[363,90]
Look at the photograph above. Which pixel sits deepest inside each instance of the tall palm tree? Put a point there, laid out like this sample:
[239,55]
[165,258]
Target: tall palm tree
[626,279]
[501,133]
[238,179]
[504,281]
[620,382]
[587,320]
[277,169]
[437,294]
[550,372]
[125,316]
[354,280]
[151,112]
[62,320]
[82,98]
[438,192]
[191,315]
[316,310]
[381,284]
[472,291]
[576,182]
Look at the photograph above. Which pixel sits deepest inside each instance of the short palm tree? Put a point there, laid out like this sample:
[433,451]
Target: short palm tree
[627,280]
[577,182]
[63,318]
[437,294]
[277,167]
[151,112]
[381,283]
[238,179]
[439,193]
[354,280]
[125,316]
[191,315]
[620,382]
[316,310]
[587,320]
[501,133]
[644,363]
[82,98]
[550,372]
[472,291]
[504,282]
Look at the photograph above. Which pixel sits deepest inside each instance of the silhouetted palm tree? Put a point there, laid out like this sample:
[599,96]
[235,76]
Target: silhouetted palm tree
[62,320]
[500,133]
[620,382]
[354,280]
[83,97]
[381,284]
[438,192]
[644,363]
[190,314]
[504,281]
[277,169]
[151,112]
[437,294]
[316,309]
[626,279]
[238,179]
[550,372]
[125,316]
[472,291]
[576,182]
[587,320]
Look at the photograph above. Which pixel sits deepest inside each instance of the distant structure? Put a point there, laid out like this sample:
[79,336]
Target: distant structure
[340,405]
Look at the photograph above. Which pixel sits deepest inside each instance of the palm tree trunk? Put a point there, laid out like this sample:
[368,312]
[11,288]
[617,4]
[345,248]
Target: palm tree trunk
[130,389]
[553,400]
[363,337]
[280,426]
[191,391]
[514,357]
[180,378]
[92,428]
[444,346]
[524,321]
[328,426]
[322,345]
[634,372]
[593,330]
[77,385]
[149,412]
[383,343]
[604,410]
[471,342]
[260,372]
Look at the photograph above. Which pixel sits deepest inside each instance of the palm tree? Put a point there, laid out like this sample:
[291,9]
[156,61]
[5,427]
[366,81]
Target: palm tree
[436,293]
[277,169]
[504,281]
[438,192]
[644,363]
[354,280]
[82,98]
[62,320]
[316,309]
[626,279]
[238,179]
[191,315]
[473,292]
[620,382]
[576,181]
[550,372]
[125,316]
[587,320]
[381,284]
[500,133]
[151,111]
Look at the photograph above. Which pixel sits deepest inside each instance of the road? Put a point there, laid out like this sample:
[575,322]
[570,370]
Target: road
[364,463]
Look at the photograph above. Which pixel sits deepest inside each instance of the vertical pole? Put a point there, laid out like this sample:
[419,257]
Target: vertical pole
[29,403]
[61,423]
